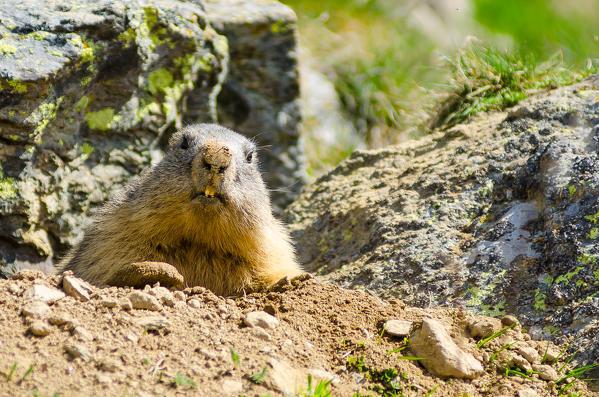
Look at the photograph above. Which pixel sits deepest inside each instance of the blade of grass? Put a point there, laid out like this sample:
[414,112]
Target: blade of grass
[495,335]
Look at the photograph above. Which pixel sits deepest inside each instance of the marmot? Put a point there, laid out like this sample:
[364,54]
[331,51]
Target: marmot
[200,217]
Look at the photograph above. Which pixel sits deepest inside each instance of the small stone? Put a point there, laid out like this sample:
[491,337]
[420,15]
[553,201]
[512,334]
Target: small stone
[82,334]
[107,365]
[546,372]
[103,379]
[125,304]
[164,295]
[260,319]
[14,289]
[180,295]
[108,302]
[61,318]
[142,300]
[527,393]
[43,293]
[231,387]
[77,351]
[132,337]
[398,328]
[508,320]
[76,287]
[261,334]
[40,328]
[36,309]
[28,274]
[441,355]
[520,362]
[551,353]
[483,327]
[527,351]
[153,323]
[195,303]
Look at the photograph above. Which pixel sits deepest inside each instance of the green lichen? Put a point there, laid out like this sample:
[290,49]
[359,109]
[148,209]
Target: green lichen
[587,259]
[494,311]
[86,149]
[103,120]
[82,103]
[593,218]
[540,300]
[14,137]
[566,278]
[38,35]
[14,85]
[6,48]
[547,280]
[56,53]
[572,191]
[8,187]
[159,80]
[280,26]
[594,233]
[44,114]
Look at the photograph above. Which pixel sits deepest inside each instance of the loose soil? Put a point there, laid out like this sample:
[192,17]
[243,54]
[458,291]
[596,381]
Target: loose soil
[198,345]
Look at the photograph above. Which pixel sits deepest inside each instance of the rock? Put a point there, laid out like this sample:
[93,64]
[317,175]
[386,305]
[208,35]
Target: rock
[231,387]
[478,185]
[546,372]
[61,318]
[153,323]
[43,293]
[483,327]
[28,274]
[36,309]
[441,355]
[40,328]
[528,392]
[164,295]
[77,351]
[285,378]
[76,287]
[549,352]
[125,304]
[141,300]
[180,295]
[398,328]
[260,319]
[508,320]
[260,334]
[195,303]
[82,334]
[527,351]
[107,365]
[108,302]
[520,362]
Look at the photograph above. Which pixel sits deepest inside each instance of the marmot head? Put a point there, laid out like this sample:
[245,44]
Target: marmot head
[210,169]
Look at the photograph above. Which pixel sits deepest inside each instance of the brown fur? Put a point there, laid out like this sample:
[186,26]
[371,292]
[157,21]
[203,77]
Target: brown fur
[227,244]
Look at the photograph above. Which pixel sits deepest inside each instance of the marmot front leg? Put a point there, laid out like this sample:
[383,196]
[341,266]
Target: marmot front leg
[139,274]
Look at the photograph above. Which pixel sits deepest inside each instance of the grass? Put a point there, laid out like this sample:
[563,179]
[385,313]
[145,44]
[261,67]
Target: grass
[234,357]
[258,378]
[321,389]
[182,380]
[495,335]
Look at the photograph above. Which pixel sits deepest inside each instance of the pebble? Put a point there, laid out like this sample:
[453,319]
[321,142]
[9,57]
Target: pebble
[43,293]
[107,364]
[546,372]
[180,295]
[260,319]
[14,289]
[153,323]
[61,318]
[520,362]
[108,302]
[441,355]
[483,327]
[40,328]
[163,294]
[528,352]
[36,309]
[82,334]
[142,300]
[77,351]
[195,303]
[125,304]
[509,319]
[527,393]
[76,287]
[261,334]
[398,328]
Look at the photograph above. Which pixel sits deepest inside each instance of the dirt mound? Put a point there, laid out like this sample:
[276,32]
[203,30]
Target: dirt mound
[70,338]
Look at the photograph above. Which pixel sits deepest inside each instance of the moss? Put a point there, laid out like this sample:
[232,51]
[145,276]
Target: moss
[8,187]
[572,191]
[104,119]
[14,85]
[594,233]
[14,137]
[547,280]
[587,258]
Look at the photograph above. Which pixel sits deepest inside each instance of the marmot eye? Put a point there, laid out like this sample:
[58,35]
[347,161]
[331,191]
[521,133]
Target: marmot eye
[249,156]
[185,143]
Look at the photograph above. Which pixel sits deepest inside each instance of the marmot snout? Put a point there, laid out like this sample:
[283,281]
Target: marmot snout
[202,216]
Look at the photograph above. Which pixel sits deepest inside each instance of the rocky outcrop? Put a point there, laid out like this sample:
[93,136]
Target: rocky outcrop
[499,215]
[91,90]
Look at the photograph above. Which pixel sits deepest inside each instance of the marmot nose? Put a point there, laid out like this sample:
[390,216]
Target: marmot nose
[217,157]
